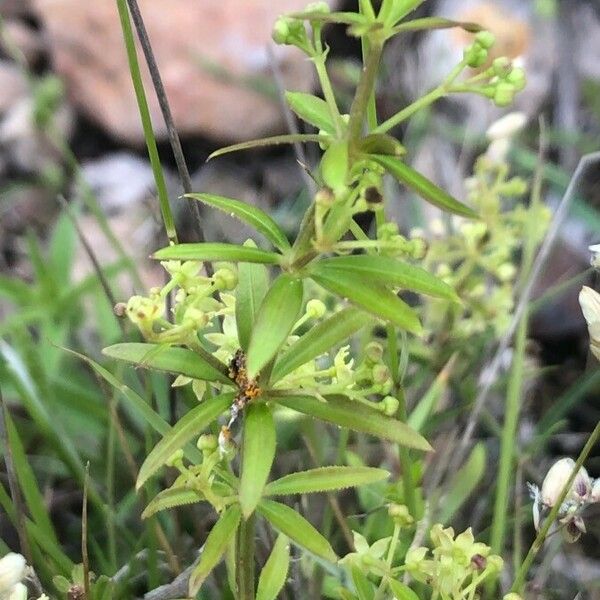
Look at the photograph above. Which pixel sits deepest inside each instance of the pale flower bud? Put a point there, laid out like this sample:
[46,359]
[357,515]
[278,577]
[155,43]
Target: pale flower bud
[507,126]
[595,495]
[557,477]
[18,592]
[589,300]
[12,570]
[315,309]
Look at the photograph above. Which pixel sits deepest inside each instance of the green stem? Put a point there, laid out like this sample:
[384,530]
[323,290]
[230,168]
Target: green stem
[507,444]
[410,110]
[543,532]
[319,62]
[435,94]
[142,102]
[366,9]
[364,90]
[245,566]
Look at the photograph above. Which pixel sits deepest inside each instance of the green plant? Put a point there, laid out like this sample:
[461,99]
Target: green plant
[241,338]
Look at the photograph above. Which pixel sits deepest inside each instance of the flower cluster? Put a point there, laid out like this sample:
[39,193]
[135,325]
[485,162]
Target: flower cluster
[583,492]
[478,259]
[456,565]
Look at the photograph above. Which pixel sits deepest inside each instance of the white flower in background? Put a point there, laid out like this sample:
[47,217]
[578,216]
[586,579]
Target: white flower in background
[12,570]
[501,132]
[589,301]
[595,252]
[580,494]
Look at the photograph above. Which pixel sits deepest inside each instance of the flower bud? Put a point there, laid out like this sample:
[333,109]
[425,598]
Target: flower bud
[475,55]
[315,309]
[194,317]
[390,405]
[325,197]
[175,458]
[281,30]
[485,39]
[557,477]
[400,515]
[517,78]
[495,563]
[374,352]
[506,272]
[12,570]
[380,373]
[500,66]
[504,94]
[119,309]
[225,279]
[512,596]
[207,443]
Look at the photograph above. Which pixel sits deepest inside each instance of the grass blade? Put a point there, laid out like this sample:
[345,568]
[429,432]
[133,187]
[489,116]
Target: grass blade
[217,251]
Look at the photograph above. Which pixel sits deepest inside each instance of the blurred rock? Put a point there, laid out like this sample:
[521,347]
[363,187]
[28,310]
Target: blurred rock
[119,180]
[27,206]
[13,85]
[15,8]
[27,147]
[212,56]
[23,37]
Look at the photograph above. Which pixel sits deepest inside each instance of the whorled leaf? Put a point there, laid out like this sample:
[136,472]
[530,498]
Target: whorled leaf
[276,140]
[423,186]
[324,479]
[312,109]
[212,251]
[370,296]
[249,214]
[171,498]
[297,528]
[276,317]
[274,573]
[390,271]
[319,339]
[171,359]
[191,424]
[215,546]
[253,284]
[257,455]
[344,412]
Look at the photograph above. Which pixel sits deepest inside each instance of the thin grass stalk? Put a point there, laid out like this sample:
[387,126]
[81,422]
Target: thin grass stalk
[140,94]
[163,102]
[515,383]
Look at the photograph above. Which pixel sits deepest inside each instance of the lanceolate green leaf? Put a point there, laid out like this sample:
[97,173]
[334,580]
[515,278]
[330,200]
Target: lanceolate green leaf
[344,412]
[293,138]
[217,251]
[276,317]
[389,271]
[370,296]
[175,496]
[401,591]
[252,215]
[171,359]
[364,588]
[216,544]
[435,23]
[257,454]
[334,165]
[321,338]
[324,479]
[311,109]
[423,186]
[297,528]
[274,573]
[253,284]
[190,425]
